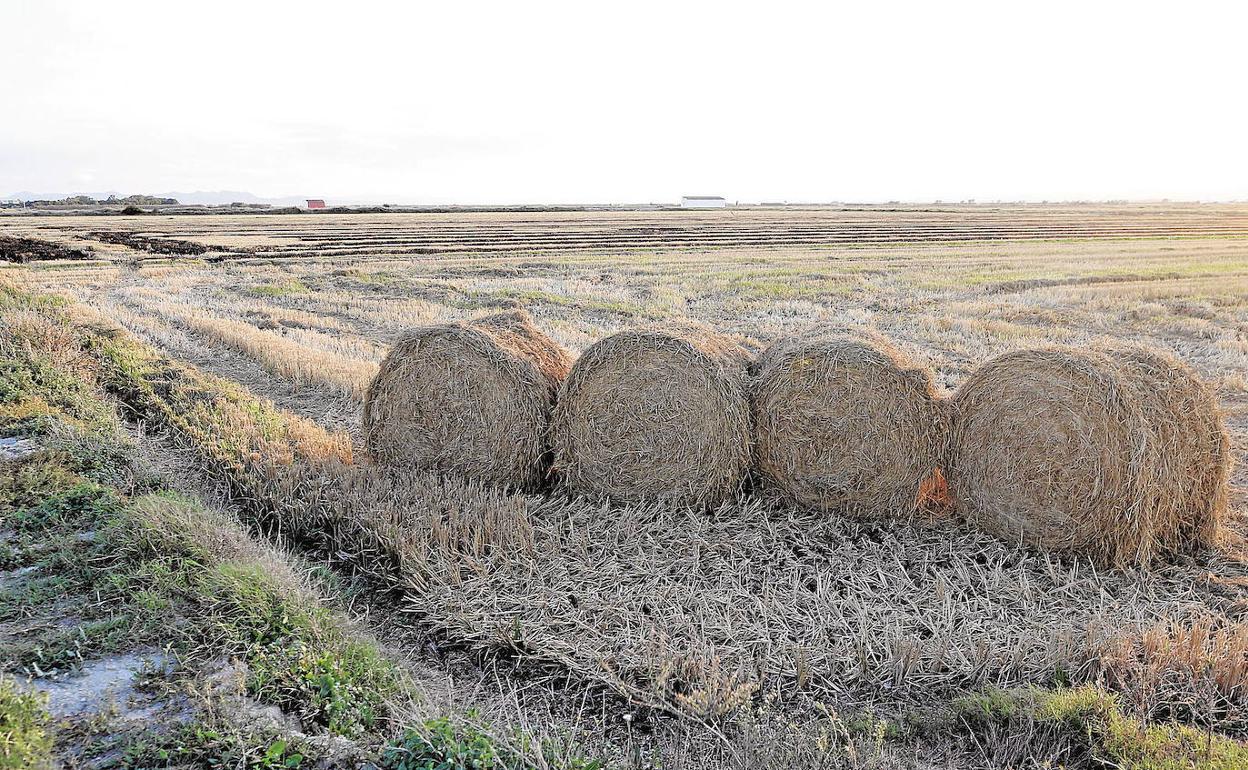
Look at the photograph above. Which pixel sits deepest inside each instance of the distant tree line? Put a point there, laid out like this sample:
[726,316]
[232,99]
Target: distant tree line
[112,200]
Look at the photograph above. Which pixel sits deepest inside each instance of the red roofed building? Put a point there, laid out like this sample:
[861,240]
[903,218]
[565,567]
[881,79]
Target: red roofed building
[316,203]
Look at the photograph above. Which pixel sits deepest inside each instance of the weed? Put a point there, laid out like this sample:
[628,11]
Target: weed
[439,744]
[197,744]
[81,507]
[25,737]
[298,658]
[1090,723]
[443,744]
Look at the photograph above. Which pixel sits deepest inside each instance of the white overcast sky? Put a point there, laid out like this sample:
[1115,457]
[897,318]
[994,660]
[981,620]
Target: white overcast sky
[478,102]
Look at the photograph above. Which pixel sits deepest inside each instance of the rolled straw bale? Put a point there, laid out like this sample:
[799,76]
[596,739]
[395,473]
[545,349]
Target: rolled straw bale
[1190,442]
[1049,447]
[659,413]
[469,398]
[845,421]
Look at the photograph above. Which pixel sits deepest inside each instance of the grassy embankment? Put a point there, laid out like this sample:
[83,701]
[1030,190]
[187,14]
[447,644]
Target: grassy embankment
[101,558]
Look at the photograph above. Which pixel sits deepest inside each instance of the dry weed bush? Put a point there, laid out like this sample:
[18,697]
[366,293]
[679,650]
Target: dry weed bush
[1192,671]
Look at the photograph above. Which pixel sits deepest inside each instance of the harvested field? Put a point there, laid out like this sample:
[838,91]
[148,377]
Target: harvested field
[292,235]
[338,235]
[736,631]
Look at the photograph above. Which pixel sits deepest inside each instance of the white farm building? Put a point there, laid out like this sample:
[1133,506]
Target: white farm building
[702,202]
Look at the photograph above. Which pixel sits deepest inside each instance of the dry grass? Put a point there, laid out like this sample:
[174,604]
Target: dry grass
[286,357]
[1188,671]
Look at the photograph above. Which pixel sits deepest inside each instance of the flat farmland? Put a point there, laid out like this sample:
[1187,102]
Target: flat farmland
[746,627]
[312,301]
[323,235]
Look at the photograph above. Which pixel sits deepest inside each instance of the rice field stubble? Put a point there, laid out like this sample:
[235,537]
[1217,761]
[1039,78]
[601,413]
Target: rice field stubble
[755,602]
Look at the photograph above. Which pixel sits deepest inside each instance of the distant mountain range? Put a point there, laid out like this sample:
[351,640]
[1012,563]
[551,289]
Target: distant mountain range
[197,198]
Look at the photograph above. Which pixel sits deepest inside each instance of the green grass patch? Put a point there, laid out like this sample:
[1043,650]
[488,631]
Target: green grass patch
[198,745]
[32,391]
[1091,724]
[283,289]
[140,567]
[31,485]
[25,737]
[299,656]
[14,298]
[443,744]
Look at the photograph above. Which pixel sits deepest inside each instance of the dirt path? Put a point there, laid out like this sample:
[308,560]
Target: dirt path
[331,410]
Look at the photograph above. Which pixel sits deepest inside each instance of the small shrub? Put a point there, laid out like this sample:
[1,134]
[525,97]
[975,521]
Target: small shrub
[25,742]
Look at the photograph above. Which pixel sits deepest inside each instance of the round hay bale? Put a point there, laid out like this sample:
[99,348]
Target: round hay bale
[657,413]
[1190,444]
[468,398]
[844,421]
[1049,447]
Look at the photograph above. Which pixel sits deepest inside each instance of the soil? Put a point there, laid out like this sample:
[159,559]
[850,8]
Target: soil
[147,243]
[23,250]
